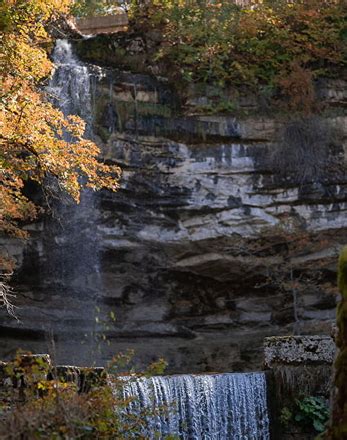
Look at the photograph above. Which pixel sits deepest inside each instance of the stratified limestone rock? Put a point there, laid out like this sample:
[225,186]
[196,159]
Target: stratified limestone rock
[196,254]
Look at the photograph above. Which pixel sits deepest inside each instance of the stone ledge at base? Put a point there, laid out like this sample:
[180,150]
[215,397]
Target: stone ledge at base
[39,367]
[84,377]
[296,350]
[298,367]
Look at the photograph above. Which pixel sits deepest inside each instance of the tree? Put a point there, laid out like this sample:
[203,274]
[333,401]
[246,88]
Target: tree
[338,425]
[85,8]
[33,144]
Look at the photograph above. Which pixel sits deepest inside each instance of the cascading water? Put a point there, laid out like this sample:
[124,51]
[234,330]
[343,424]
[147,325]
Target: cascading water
[202,407]
[74,260]
[70,86]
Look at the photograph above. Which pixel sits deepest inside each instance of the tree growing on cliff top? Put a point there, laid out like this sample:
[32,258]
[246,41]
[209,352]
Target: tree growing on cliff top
[32,145]
[277,46]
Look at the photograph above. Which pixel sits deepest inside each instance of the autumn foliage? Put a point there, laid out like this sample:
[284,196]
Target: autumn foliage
[271,43]
[33,133]
[32,145]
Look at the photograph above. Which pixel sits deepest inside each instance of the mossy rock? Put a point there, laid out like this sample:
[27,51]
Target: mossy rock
[338,428]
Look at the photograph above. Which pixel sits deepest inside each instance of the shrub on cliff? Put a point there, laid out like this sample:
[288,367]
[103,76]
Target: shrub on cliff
[278,44]
[62,413]
[308,151]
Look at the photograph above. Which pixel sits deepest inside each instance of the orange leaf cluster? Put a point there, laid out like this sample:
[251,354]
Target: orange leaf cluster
[32,145]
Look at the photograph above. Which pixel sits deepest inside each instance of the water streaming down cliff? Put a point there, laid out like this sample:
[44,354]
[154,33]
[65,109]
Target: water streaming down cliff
[70,86]
[203,407]
[75,253]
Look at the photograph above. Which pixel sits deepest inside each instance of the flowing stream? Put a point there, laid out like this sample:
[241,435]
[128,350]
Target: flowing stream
[202,407]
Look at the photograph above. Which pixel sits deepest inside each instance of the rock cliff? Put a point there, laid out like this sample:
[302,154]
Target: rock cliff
[213,242]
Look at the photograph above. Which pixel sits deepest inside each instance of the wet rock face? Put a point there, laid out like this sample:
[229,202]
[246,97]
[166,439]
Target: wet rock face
[204,251]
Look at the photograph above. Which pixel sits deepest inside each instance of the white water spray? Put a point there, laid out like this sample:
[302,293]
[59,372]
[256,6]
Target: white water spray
[203,407]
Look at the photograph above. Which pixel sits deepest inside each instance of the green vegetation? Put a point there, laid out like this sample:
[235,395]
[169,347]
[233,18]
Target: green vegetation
[276,45]
[87,8]
[312,411]
[309,413]
[274,49]
[222,105]
[37,403]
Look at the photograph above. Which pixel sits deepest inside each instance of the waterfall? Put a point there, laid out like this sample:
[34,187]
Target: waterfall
[202,407]
[70,85]
[73,266]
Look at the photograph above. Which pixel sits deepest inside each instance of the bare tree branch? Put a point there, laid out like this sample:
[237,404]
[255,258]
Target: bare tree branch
[6,295]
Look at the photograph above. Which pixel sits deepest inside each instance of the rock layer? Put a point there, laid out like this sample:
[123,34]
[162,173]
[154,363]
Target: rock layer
[206,249]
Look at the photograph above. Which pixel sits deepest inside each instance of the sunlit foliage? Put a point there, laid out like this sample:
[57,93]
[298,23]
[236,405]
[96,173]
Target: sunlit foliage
[272,43]
[36,402]
[32,145]
[88,8]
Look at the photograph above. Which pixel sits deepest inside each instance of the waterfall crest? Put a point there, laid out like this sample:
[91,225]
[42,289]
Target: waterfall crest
[70,85]
[203,407]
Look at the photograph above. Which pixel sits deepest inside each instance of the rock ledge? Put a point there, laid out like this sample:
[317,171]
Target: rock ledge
[294,350]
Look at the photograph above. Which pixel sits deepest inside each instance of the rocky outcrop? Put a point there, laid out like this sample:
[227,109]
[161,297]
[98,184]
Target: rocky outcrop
[103,24]
[208,247]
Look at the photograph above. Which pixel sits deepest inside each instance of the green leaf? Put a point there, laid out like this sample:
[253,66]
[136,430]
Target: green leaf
[318,426]
[298,417]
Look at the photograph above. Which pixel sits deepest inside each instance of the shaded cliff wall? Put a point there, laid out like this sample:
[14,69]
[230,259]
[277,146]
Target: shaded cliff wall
[207,248]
